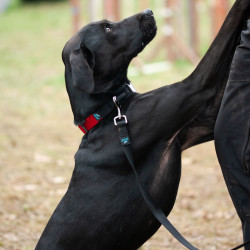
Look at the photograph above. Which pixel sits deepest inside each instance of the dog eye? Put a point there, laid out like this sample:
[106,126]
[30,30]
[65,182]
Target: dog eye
[107,29]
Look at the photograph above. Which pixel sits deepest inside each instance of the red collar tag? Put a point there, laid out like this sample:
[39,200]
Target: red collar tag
[90,122]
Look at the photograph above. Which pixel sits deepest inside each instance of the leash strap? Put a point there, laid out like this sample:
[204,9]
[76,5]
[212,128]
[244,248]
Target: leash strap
[242,245]
[121,123]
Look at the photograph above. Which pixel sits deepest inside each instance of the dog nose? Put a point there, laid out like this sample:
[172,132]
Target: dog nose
[148,12]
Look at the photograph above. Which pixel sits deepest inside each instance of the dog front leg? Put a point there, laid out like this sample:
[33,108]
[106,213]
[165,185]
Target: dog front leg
[211,75]
[215,64]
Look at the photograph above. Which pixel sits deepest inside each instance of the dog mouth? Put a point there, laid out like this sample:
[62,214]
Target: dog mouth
[148,29]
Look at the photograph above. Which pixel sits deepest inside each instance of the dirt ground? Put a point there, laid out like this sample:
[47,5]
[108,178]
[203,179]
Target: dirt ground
[37,159]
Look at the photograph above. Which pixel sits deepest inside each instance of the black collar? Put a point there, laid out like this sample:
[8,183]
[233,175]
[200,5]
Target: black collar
[92,120]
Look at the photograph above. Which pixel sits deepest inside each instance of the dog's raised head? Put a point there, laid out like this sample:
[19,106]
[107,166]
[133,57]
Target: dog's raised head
[97,57]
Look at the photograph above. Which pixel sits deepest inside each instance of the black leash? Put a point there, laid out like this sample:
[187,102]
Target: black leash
[242,245]
[121,122]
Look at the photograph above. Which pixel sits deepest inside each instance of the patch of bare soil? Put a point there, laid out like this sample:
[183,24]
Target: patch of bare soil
[37,147]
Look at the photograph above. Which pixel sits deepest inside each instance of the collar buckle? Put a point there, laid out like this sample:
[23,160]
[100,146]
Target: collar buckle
[132,88]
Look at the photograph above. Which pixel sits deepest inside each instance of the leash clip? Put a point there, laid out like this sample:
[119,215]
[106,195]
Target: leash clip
[119,116]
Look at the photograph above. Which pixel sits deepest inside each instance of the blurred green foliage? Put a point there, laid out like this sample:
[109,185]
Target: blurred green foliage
[39,1]
[32,41]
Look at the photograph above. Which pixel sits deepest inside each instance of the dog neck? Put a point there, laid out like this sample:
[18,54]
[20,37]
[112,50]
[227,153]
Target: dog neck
[101,104]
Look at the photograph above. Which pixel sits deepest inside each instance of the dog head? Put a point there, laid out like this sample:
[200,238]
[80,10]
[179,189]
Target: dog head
[97,57]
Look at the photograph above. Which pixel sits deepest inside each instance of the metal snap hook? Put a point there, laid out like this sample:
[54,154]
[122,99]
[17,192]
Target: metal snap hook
[118,108]
[119,116]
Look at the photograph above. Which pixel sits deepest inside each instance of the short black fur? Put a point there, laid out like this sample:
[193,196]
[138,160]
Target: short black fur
[103,208]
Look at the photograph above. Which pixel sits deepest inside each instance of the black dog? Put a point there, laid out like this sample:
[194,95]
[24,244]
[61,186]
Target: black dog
[103,208]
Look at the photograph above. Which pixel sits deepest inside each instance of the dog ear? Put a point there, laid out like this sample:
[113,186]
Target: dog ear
[82,64]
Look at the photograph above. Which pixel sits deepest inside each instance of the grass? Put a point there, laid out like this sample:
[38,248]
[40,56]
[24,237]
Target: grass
[30,48]
[38,139]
